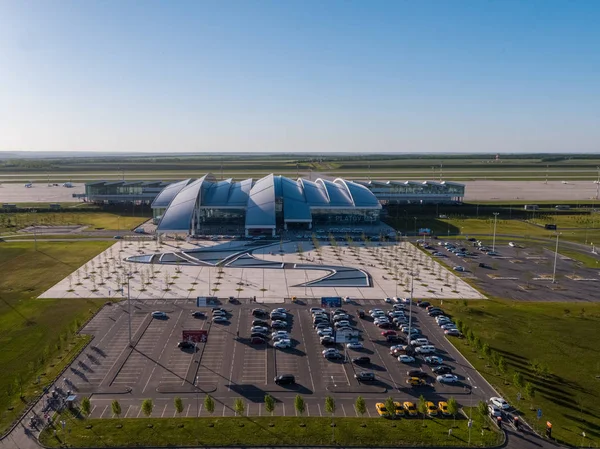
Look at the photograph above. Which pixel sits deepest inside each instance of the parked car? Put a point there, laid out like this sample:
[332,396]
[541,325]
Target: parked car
[261,329]
[432,410]
[261,323]
[285,379]
[410,408]
[386,333]
[354,345]
[458,268]
[283,343]
[494,411]
[278,316]
[452,332]
[364,360]
[198,314]
[395,339]
[416,373]
[314,310]
[361,313]
[323,332]
[278,324]
[442,369]
[159,314]
[406,358]
[500,403]
[280,334]
[259,334]
[219,319]
[443,407]
[327,340]
[419,341]
[365,376]
[257,340]
[333,355]
[433,360]
[186,345]
[447,378]
[259,312]
[423,304]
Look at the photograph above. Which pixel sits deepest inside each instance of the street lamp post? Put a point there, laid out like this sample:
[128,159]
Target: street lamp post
[332,423]
[494,240]
[129,309]
[415,226]
[555,257]
[470,424]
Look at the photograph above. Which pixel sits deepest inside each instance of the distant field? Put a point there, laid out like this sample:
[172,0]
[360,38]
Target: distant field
[11,222]
[37,336]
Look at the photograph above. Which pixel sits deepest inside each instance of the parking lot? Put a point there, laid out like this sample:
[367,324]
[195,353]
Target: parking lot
[229,365]
[523,272]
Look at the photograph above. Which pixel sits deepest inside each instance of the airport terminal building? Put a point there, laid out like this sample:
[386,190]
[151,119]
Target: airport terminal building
[207,205]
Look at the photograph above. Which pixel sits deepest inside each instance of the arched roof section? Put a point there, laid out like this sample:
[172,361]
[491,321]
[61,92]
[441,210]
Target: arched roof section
[315,194]
[361,196]
[338,194]
[239,193]
[295,207]
[166,195]
[216,193]
[178,216]
[261,204]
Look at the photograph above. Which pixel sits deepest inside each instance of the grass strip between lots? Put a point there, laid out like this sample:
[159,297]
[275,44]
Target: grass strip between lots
[266,431]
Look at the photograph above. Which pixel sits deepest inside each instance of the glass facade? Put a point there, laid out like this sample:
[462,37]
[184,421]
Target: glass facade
[215,215]
[344,216]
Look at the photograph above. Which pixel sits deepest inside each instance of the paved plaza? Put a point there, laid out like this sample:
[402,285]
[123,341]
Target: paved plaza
[388,265]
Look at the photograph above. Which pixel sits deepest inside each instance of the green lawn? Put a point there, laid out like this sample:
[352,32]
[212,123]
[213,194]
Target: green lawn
[561,336]
[257,431]
[94,220]
[37,335]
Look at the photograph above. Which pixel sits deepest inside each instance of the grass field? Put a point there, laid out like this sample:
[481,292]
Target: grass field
[37,336]
[256,431]
[560,336]
[11,222]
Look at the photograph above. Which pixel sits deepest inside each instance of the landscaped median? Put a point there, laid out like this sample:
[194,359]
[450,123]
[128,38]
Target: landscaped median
[266,431]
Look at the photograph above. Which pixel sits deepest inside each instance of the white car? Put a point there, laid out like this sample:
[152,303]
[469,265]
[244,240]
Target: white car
[158,314]
[323,332]
[500,403]
[372,311]
[279,310]
[355,345]
[342,323]
[219,319]
[347,299]
[280,334]
[388,300]
[419,342]
[448,326]
[283,343]
[447,378]
[425,349]
[512,244]
[459,268]
[406,358]
[259,329]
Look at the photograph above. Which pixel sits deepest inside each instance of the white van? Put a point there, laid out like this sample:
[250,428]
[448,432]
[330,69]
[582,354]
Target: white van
[425,349]
[419,342]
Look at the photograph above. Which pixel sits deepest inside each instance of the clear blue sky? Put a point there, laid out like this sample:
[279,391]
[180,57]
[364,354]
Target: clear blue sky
[397,76]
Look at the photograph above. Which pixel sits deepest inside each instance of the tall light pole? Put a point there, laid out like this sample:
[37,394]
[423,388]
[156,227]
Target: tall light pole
[494,240]
[129,309]
[415,226]
[470,424]
[332,424]
[555,257]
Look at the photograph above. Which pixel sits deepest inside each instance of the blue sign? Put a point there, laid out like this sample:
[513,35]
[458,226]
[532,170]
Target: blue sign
[539,413]
[334,301]
[424,231]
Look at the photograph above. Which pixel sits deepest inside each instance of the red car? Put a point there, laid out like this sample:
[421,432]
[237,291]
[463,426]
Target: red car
[386,333]
[257,341]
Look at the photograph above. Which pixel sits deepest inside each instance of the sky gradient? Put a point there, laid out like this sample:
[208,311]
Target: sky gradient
[316,76]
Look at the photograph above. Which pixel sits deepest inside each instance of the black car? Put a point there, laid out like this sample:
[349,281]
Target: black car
[258,340]
[185,345]
[260,323]
[285,379]
[365,376]
[424,304]
[416,373]
[364,360]
[214,309]
[259,312]
[361,313]
[442,369]
[259,334]
[334,355]
[435,312]
[198,314]
[395,339]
